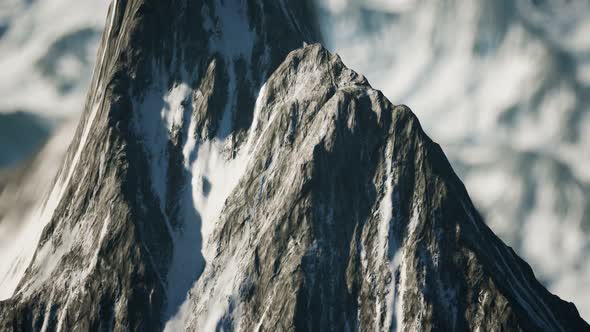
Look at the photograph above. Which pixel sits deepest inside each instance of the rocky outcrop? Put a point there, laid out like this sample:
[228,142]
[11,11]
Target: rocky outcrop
[203,193]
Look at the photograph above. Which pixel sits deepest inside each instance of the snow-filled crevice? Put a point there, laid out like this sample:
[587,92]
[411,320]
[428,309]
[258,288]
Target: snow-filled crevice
[209,172]
[388,248]
[157,115]
[214,174]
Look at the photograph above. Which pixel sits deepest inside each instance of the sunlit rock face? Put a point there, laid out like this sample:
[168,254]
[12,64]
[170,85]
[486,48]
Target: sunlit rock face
[229,173]
[504,86]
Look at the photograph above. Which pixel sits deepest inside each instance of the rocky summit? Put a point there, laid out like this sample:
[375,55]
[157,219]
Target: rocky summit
[231,174]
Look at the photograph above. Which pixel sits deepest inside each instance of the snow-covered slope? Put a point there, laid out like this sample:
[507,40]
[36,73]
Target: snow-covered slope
[227,175]
[504,86]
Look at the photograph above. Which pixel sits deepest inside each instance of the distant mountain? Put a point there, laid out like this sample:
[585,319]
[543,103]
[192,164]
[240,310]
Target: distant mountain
[48,50]
[21,135]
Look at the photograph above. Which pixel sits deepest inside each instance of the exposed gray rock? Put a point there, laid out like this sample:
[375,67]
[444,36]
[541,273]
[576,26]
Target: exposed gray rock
[201,194]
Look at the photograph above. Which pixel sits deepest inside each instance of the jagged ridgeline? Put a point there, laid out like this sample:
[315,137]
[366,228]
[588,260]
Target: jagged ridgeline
[227,176]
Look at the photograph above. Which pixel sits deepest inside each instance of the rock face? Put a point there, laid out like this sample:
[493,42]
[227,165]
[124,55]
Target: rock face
[226,177]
